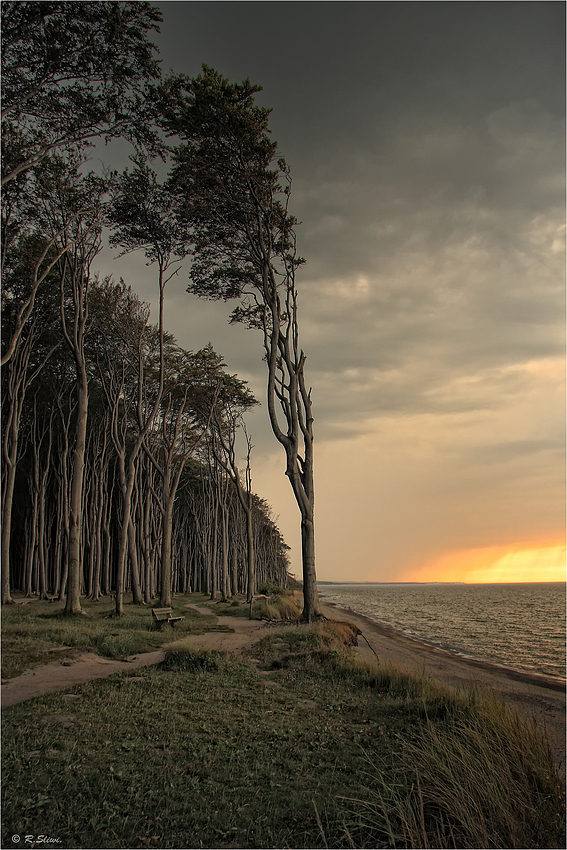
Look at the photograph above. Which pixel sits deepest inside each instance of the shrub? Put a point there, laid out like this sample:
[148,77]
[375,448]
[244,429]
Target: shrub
[189,660]
[270,588]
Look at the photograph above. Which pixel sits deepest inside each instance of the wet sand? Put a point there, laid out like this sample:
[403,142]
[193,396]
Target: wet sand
[540,697]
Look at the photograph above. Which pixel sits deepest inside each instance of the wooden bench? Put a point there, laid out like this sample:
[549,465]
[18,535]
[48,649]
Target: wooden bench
[164,615]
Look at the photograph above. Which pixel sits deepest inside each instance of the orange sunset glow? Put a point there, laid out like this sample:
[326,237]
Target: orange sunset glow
[493,564]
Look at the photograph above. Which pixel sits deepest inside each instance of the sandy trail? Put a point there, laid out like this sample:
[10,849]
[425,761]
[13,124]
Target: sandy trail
[75,669]
[540,697]
[68,672]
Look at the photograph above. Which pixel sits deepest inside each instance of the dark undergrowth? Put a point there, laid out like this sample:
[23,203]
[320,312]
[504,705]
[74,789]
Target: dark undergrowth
[295,746]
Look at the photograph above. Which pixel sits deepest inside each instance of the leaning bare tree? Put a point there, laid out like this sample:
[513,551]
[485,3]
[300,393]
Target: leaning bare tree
[236,203]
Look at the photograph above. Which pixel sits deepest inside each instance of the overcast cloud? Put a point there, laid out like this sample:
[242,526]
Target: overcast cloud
[426,143]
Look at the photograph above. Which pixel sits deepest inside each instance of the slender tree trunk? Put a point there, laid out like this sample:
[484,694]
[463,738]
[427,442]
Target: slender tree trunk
[147,548]
[224,583]
[31,544]
[88,529]
[250,571]
[97,531]
[17,388]
[122,549]
[213,551]
[234,568]
[63,524]
[107,546]
[73,600]
[58,550]
[6,525]
[134,568]
[165,590]
[42,567]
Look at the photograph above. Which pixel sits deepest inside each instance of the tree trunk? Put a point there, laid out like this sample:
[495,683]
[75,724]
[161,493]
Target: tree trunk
[6,525]
[165,589]
[17,387]
[63,524]
[301,479]
[134,568]
[311,609]
[41,566]
[73,600]
[250,576]
[147,549]
[234,568]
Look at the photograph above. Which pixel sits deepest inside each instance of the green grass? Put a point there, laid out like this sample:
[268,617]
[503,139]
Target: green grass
[293,746]
[37,632]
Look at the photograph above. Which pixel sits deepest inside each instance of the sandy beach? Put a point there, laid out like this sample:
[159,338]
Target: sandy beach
[540,697]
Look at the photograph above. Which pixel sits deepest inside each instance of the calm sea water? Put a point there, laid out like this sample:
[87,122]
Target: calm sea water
[519,625]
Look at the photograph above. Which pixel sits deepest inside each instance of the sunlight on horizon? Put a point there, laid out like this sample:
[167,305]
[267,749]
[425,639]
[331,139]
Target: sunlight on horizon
[494,564]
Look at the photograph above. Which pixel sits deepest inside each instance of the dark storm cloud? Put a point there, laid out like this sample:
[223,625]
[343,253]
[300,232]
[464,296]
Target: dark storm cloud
[426,144]
[425,141]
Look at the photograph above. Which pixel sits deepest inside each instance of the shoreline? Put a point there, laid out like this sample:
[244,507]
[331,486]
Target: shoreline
[540,697]
[555,683]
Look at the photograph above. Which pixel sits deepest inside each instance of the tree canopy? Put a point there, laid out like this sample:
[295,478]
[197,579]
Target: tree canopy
[120,446]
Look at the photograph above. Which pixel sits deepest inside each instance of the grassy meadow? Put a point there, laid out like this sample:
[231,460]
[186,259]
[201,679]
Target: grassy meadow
[294,745]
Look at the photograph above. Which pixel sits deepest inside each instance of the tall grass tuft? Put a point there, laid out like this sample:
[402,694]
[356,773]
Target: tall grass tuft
[482,778]
[279,607]
[186,660]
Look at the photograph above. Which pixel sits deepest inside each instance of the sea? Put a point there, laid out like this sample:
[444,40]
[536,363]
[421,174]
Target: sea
[516,625]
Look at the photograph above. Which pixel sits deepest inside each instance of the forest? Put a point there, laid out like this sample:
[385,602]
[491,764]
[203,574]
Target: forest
[121,449]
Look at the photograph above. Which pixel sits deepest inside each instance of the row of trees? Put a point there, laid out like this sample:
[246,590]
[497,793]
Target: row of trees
[164,505]
[120,463]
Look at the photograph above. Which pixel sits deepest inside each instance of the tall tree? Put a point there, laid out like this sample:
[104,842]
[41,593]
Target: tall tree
[236,202]
[33,349]
[224,446]
[194,384]
[66,190]
[72,73]
[120,340]
[144,219]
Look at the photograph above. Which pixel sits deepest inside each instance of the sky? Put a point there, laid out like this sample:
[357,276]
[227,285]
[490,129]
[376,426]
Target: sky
[426,145]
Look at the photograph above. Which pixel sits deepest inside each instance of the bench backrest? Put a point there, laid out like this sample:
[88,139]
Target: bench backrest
[161,613]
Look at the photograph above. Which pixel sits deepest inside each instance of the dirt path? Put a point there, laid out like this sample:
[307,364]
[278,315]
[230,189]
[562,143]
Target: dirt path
[540,697]
[68,672]
[76,669]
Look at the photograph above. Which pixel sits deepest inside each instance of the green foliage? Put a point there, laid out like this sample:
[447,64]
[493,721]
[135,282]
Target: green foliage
[231,186]
[72,72]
